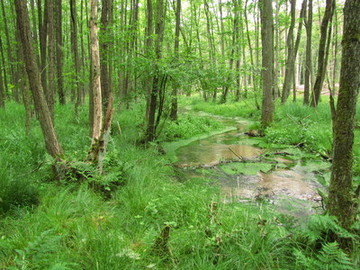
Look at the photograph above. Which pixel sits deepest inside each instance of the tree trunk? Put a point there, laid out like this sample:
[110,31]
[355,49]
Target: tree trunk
[320,75]
[43,25]
[254,79]
[341,201]
[174,103]
[77,92]
[59,51]
[2,91]
[156,82]
[149,40]
[105,54]
[308,63]
[267,37]
[96,98]
[290,61]
[51,141]
[51,89]
[3,69]
[10,56]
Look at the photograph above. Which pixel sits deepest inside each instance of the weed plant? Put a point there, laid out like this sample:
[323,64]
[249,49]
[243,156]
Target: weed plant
[70,225]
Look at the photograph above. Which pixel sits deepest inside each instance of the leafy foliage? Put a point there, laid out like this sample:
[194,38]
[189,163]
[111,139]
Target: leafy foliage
[331,257]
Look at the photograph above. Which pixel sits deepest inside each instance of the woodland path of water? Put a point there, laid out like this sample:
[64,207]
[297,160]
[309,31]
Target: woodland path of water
[286,178]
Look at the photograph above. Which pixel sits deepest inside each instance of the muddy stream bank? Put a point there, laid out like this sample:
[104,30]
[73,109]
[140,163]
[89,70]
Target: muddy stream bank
[248,174]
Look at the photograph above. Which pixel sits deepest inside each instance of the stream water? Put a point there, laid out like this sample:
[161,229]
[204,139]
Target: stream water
[247,173]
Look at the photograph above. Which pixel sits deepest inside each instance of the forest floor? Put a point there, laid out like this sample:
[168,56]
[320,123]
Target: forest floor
[145,213]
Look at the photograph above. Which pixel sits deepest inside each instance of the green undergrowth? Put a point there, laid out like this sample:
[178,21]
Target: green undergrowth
[149,220]
[296,124]
[244,108]
[188,126]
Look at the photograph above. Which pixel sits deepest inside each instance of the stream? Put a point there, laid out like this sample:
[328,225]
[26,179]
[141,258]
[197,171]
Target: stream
[248,174]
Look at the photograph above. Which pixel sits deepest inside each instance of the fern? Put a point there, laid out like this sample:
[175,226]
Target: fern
[331,257]
[320,227]
[304,262]
[39,253]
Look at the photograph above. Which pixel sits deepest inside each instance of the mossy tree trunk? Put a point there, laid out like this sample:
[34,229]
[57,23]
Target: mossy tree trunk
[341,201]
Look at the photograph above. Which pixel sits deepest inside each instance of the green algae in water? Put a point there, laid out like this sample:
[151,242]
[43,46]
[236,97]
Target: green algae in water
[246,168]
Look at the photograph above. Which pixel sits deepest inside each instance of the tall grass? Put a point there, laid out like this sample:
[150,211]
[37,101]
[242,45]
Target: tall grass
[48,225]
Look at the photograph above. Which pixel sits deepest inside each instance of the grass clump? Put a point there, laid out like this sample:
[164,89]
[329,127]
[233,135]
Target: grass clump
[188,126]
[300,125]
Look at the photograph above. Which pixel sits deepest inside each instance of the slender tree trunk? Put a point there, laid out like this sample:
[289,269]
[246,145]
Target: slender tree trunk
[59,51]
[267,37]
[3,69]
[43,26]
[276,49]
[26,94]
[320,75]
[77,91]
[105,51]
[308,63]
[9,47]
[51,90]
[174,103]
[335,53]
[289,67]
[149,51]
[83,51]
[342,201]
[156,82]
[254,79]
[2,91]
[96,98]
[51,141]
[35,30]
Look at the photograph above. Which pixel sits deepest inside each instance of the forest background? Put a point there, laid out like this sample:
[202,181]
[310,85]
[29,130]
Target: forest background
[90,90]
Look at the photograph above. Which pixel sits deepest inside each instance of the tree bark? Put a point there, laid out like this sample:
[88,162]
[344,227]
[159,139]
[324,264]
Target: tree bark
[10,56]
[105,51]
[320,75]
[156,82]
[51,141]
[3,69]
[51,89]
[77,92]
[59,51]
[174,103]
[96,98]
[308,63]
[342,201]
[290,61]
[254,79]
[267,38]
[43,23]
[2,91]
